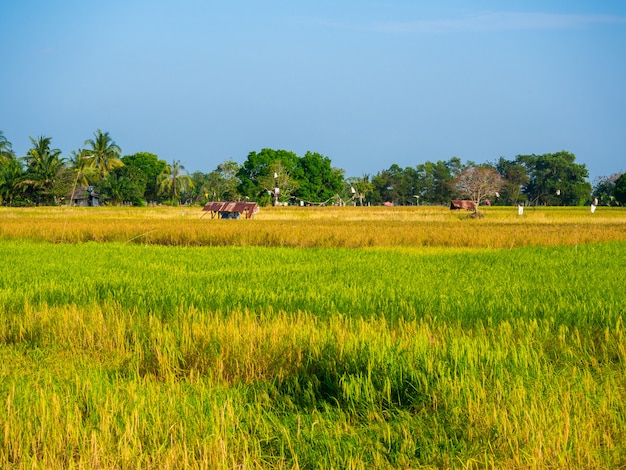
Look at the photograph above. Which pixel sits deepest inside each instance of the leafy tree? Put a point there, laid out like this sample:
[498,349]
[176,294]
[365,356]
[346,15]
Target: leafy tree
[10,172]
[382,186]
[409,187]
[514,180]
[227,180]
[219,185]
[174,182]
[201,184]
[278,183]
[44,169]
[125,184]
[105,153]
[555,179]
[429,183]
[604,189]
[478,183]
[11,175]
[396,185]
[436,180]
[620,189]
[151,167]
[317,180]
[257,174]
[359,188]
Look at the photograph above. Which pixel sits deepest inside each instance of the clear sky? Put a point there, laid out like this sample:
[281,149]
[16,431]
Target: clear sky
[366,83]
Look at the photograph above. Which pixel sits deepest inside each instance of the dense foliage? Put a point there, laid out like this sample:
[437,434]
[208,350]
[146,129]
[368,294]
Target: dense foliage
[280,177]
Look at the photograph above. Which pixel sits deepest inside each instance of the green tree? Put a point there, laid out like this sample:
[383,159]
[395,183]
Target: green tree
[604,189]
[227,180]
[257,174]
[6,150]
[278,183]
[317,180]
[46,177]
[10,172]
[11,176]
[123,185]
[359,188]
[514,180]
[555,179]
[435,181]
[220,184]
[620,189]
[201,184]
[151,167]
[174,182]
[389,185]
[105,153]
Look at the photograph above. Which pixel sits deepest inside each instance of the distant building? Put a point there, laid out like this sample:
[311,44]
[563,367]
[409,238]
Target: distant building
[231,210]
[85,196]
[457,204]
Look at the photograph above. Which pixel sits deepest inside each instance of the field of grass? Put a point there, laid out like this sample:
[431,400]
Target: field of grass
[357,338]
[323,227]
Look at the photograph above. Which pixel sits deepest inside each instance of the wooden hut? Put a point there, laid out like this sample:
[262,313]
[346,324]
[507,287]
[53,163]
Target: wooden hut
[462,204]
[85,196]
[231,210]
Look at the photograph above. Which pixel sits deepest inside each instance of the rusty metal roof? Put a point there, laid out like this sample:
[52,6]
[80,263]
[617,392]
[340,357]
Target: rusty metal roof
[227,206]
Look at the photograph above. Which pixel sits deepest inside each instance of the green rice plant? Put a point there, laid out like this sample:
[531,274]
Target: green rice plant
[124,355]
[576,285]
[353,393]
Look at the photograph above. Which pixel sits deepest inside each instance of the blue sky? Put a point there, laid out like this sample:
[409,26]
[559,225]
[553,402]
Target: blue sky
[367,84]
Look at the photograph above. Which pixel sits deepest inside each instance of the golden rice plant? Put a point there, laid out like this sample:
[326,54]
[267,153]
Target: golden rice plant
[319,226]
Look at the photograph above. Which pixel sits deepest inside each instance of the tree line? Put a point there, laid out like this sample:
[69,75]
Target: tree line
[44,177]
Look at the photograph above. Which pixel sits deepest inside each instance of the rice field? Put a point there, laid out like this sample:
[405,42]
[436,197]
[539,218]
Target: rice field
[364,338]
[324,227]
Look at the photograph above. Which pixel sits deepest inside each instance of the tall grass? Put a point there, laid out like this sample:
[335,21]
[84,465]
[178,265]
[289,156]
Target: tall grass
[136,356]
[574,284]
[319,227]
[279,392]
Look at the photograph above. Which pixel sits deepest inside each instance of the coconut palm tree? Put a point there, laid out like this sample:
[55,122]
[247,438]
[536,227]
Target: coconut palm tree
[174,181]
[6,150]
[44,168]
[11,173]
[80,162]
[105,153]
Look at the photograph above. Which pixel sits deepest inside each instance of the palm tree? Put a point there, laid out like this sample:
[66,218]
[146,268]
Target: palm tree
[43,168]
[11,173]
[80,161]
[174,181]
[105,153]
[6,150]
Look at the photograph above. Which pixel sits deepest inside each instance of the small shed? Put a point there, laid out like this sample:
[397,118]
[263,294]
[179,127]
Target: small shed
[457,204]
[85,196]
[231,210]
